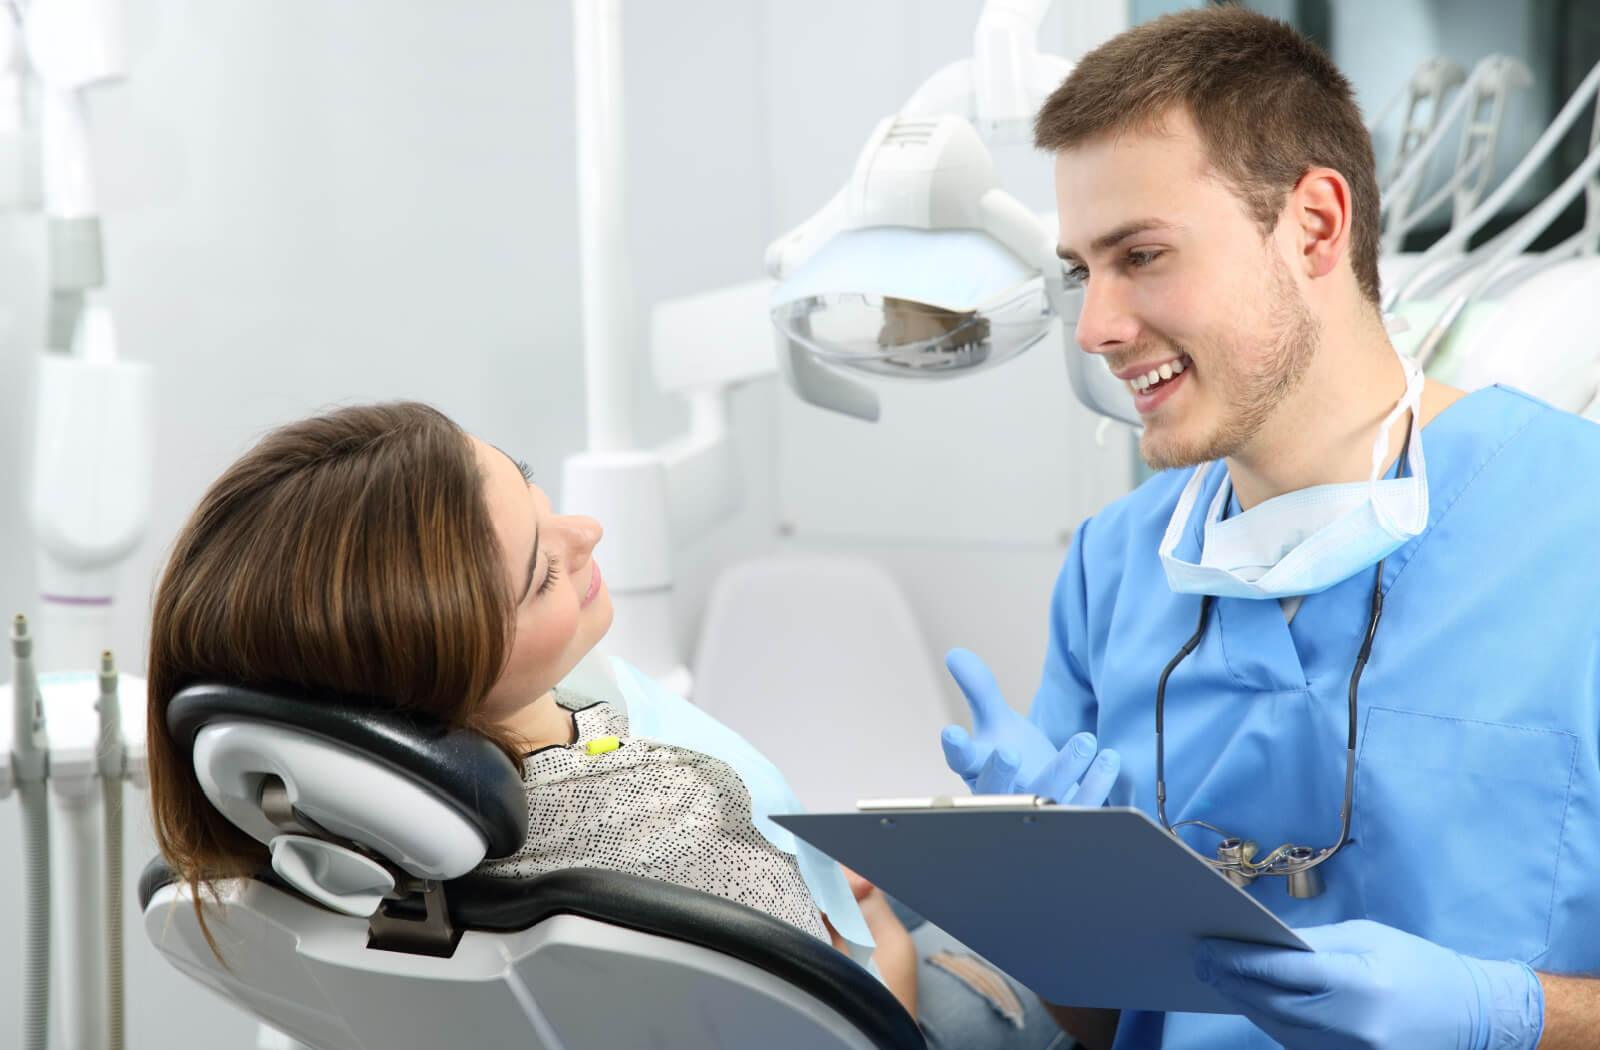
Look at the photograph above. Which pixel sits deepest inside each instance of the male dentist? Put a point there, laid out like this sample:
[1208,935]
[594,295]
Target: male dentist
[1349,582]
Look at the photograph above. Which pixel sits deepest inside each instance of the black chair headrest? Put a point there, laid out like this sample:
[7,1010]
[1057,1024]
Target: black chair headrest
[463,768]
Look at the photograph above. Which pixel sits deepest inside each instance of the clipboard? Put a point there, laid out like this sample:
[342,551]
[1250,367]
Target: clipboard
[1092,907]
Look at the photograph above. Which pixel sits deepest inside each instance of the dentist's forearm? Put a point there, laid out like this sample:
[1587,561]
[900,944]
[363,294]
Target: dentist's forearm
[1094,1028]
[1571,1012]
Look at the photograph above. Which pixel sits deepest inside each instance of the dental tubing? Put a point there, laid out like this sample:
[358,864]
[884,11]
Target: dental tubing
[110,759]
[29,760]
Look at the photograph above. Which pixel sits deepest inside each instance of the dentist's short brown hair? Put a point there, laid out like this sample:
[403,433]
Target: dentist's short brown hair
[1268,104]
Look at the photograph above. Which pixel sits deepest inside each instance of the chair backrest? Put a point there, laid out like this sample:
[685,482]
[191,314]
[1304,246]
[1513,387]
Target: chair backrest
[580,959]
[818,661]
[568,960]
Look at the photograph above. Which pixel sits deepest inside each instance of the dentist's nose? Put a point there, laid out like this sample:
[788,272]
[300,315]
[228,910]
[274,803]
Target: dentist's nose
[1104,321]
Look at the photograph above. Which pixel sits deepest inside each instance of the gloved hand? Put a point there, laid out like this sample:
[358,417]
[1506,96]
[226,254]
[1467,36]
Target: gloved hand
[1006,754]
[1371,986]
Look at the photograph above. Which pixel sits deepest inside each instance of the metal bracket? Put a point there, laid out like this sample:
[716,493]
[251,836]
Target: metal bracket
[395,926]
[391,929]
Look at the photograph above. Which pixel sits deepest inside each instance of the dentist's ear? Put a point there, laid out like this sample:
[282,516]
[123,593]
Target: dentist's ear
[1319,211]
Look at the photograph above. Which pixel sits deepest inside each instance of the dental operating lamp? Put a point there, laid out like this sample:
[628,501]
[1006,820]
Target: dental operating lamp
[67,739]
[922,266]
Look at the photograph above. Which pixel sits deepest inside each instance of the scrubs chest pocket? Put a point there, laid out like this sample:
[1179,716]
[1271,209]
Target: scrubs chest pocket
[1459,827]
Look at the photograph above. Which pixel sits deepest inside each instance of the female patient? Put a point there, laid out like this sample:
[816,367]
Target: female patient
[379,551]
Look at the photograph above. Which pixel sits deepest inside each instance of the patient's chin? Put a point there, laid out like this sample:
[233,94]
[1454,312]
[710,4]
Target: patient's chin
[600,613]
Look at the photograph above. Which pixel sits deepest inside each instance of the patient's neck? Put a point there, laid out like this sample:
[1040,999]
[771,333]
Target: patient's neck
[543,723]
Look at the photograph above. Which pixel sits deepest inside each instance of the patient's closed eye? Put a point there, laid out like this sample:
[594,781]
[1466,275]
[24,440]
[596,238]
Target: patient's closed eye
[552,571]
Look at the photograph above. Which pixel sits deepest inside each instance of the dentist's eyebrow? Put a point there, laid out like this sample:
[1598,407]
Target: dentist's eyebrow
[1110,240]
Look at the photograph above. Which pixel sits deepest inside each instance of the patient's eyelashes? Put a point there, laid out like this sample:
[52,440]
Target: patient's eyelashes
[551,572]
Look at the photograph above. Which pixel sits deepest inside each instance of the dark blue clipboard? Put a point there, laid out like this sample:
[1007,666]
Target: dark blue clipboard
[1092,907]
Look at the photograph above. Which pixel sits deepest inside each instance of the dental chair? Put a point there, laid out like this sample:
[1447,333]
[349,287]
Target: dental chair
[833,637]
[369,932]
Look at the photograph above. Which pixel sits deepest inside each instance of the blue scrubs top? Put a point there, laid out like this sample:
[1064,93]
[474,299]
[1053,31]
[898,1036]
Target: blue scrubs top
[1476,820]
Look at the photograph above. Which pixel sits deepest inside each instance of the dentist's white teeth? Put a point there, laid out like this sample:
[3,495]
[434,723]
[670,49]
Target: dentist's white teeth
[1142,383]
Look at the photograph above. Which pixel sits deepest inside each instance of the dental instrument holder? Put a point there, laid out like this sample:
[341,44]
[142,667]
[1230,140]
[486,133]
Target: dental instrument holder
[1430,84]
[1490,85]
[1500,252]
[67,732]
[1429,278]
[88,503]
[87,496]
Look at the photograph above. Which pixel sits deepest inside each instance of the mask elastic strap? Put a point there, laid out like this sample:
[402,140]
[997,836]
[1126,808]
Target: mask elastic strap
[1410,399]
[1411,446]
[1186,503]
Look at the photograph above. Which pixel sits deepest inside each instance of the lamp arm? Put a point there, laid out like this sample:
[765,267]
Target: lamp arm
[703,488]
[1005,52]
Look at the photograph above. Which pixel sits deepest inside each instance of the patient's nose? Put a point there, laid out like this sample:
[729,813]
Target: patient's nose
[583,533]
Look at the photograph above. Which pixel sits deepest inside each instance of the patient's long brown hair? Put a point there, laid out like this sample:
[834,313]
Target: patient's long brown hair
[351,553]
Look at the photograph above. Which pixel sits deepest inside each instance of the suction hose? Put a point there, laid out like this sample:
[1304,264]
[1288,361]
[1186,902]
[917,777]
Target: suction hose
[29,758]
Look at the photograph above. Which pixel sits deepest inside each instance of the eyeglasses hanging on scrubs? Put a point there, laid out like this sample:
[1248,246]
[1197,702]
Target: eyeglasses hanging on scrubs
[1238,858]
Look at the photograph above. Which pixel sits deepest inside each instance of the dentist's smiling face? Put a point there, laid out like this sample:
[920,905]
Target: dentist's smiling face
[1184,299]
[562,608]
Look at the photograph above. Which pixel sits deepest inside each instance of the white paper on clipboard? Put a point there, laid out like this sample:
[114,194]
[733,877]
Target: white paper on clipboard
[1093,907]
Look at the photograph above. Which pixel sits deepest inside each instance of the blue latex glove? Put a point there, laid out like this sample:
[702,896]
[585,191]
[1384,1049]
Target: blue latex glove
[1371,986]
[1006,754]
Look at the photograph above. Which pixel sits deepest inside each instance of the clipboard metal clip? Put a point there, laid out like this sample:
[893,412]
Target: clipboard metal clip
[867,805]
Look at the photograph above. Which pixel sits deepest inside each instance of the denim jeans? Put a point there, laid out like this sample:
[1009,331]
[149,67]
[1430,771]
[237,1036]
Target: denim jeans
[964,1003]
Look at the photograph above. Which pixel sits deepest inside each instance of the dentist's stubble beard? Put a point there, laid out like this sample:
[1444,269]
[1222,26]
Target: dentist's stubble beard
[1248,394]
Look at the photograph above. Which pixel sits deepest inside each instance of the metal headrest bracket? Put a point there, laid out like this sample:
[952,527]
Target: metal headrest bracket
[431,933]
